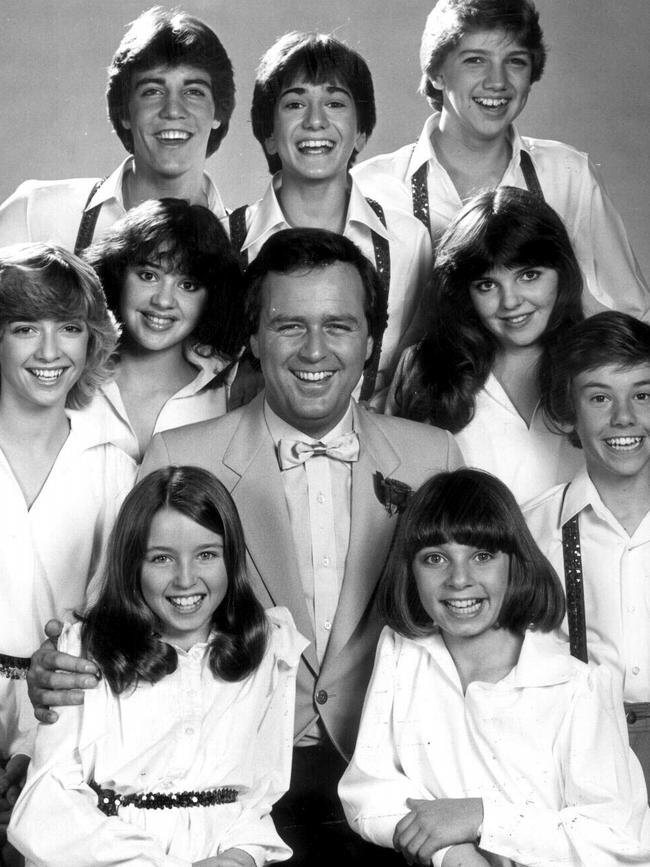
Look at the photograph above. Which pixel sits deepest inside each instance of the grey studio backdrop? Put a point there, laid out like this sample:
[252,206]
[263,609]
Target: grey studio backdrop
[594,94]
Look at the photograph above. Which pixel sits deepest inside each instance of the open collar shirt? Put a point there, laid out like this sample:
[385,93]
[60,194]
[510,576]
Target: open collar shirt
[616,570]
[545,748]
[571,185]
[51,211]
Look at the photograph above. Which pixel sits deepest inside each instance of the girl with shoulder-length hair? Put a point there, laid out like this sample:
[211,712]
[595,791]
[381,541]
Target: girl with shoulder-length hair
[174,286]
[505,289]
[61,482]
[187,739]
[480,732]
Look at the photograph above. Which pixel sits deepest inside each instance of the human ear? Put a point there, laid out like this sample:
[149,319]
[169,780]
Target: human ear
[270,145]
[360,142]
[254,345]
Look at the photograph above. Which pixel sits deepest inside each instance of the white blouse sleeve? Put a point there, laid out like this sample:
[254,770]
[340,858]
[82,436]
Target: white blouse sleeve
[605,821]
[254,831]
[374,788]
[55,821]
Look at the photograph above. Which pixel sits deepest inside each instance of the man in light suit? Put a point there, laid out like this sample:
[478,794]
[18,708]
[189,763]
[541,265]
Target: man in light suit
[313,476]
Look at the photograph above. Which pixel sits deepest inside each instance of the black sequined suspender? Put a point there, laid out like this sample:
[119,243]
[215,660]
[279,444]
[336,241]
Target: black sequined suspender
[574,583]
[88,221]
[237,226]
[382,263]
[420,191]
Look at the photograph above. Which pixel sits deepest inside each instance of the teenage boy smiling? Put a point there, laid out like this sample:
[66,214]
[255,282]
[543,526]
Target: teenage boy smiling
[596,530]
[170,96]
[313,111]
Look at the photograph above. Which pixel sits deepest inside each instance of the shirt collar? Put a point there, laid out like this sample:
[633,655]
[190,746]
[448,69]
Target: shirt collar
[279,428]
[359,211]
[423,152]
[111,190]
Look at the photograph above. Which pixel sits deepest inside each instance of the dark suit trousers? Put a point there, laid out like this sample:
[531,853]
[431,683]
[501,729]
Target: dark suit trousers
[310,818]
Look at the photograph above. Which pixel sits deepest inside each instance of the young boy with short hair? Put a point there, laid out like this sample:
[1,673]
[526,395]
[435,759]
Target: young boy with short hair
[596,530]
[313,110]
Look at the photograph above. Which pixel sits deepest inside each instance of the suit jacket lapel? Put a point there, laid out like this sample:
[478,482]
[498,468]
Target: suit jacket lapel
[260,499]
[371,530]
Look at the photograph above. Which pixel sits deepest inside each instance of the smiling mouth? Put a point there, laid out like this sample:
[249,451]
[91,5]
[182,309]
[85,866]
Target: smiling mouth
[158,323]
[624,444]
[47,375]
[491,102]
[186,604]
[463,607]
[313,375]
[173,136]
[518,320]
[315,146]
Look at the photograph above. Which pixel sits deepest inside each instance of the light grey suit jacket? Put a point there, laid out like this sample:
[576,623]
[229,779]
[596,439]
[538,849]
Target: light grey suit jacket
[239,450]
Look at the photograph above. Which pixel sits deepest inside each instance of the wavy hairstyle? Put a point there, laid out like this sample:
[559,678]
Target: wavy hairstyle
[469,507]
[43,281]
[316,58]
[608,338]
[450,20]
[169,37]
[506,227]
[120,631]
[181,237]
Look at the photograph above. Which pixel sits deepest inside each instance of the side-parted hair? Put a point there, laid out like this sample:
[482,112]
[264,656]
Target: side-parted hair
[450,20]
[506,227]
[315,58]
[469,507]
[293,250]
[608,338]
[43,281]
[169,37]
[175,235]
[120,631]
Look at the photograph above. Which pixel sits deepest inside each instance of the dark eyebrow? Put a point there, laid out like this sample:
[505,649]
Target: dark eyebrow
[640,384]
[300,91]
[152,79]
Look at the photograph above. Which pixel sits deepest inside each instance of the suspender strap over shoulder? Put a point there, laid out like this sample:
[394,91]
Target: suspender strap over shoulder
[575,592]
[530,175]
[88,221]
[382,263]
[237,226]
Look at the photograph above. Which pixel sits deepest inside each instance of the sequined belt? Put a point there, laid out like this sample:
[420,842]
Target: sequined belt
[14,667]
[636,710]
[109,801]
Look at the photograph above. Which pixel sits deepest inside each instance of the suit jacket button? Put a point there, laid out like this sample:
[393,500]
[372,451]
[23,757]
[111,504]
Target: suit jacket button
[321,696]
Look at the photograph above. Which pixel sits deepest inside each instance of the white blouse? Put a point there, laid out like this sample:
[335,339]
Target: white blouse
[190,731]
[545,748]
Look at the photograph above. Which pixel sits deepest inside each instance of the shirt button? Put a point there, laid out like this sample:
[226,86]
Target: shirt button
[635,669]
[327,625]
[326,561]
[321,696]
[189,732]
[320,498]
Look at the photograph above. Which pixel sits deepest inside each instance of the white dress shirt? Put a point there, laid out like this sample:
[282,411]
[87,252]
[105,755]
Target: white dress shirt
[196,401]
[616,570]
[191,731]
[528,458]
[48,552]
[410,260]
[317,496]
[52,210]
[571,185]
[545,748]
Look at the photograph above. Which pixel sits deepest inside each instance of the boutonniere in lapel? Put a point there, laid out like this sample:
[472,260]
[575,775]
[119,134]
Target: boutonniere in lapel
[391,493]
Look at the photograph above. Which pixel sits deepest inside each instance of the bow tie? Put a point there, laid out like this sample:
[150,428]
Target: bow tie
[292,453]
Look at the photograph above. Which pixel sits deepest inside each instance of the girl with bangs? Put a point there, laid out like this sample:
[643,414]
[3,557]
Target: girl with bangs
[179,753]
[505,289]
[482,740]
[62,483]
[173,285]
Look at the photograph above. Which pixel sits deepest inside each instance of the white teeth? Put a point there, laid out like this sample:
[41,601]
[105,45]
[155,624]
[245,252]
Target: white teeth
[158,321]
[47,374]
[517,320]
[315,144]
[490,102]
[313,376]
[623,442]
[173,135]
[462,603]
[185,601]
